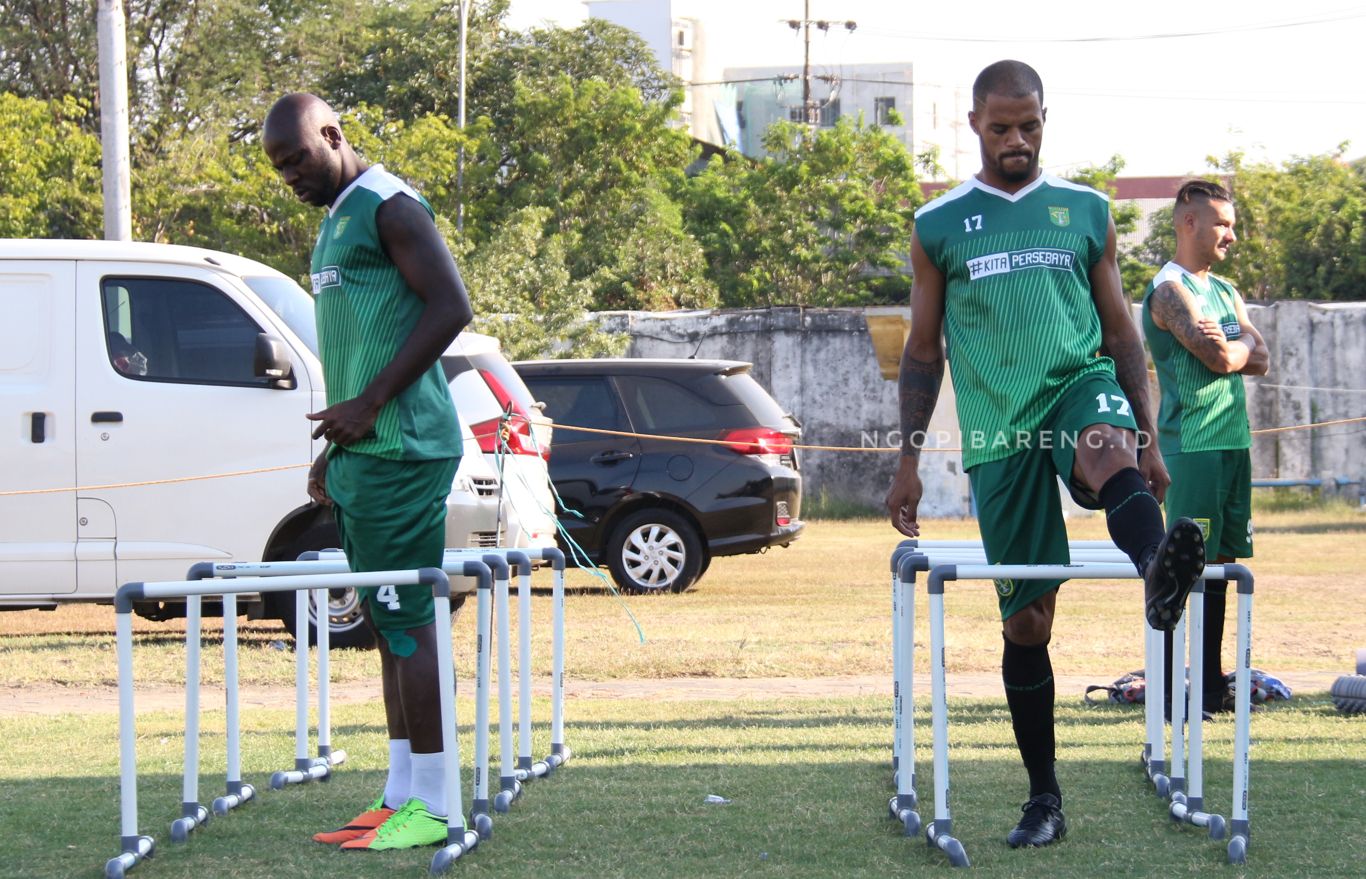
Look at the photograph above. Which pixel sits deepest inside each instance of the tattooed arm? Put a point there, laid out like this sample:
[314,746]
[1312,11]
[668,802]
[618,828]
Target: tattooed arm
[1175,310]
[1120,340]
[922,370]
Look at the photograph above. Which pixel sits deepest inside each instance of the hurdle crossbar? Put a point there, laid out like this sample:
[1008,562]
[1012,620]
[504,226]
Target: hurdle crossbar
[136,847]
[939,831]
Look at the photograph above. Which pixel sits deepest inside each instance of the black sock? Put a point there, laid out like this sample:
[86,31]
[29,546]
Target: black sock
[1216,602]
[1028,676]
[1132,515]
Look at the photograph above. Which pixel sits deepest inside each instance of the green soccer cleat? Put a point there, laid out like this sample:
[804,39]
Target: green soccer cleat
[411,826]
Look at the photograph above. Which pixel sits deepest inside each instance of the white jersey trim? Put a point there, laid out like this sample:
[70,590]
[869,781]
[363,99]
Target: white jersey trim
[957,192]
[378,181]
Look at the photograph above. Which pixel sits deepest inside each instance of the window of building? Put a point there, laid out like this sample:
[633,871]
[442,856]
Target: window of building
[830,113]
[882,108]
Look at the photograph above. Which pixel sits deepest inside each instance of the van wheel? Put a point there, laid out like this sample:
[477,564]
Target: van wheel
[347,625]
[656,551]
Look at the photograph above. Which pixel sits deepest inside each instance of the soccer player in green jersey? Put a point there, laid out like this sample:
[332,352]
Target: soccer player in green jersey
[1202,344]
[389,301]
[1017,270]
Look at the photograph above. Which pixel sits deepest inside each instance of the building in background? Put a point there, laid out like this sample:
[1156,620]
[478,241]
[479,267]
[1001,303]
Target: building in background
[728,101]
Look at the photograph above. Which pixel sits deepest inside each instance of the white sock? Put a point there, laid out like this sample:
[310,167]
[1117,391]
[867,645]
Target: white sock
[400,782]
[429,781]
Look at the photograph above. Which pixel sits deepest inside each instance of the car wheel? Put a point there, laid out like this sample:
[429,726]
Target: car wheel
[346,620]
[654,550]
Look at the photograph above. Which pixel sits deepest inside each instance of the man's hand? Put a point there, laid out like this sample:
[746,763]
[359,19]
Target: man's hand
[1210,327]
[317,481]
[346,423]
[1154,470]
[903,497]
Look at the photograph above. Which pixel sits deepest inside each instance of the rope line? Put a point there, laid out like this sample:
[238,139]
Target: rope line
[598,430]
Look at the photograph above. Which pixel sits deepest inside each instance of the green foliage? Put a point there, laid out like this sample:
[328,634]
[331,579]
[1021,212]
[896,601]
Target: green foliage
[1302,228]
[522,290]
[824,220]
[1134,271]
[49,170]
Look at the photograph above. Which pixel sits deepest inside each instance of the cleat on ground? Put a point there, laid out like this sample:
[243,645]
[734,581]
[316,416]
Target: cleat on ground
[359,826]
[410,827]
[1043,823]
[1172,571]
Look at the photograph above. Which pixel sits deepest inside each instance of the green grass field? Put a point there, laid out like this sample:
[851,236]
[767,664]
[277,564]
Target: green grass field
[808,777]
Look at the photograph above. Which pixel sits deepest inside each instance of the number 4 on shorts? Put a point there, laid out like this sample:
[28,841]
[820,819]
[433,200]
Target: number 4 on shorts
[388,596]
[1104,405]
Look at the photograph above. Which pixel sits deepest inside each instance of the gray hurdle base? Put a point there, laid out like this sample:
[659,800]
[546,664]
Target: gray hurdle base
[137,847]
[939,832]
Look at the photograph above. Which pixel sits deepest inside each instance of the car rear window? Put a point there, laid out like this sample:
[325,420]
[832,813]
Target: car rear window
[660,406]
[497,365]
[579,402]
[759,402]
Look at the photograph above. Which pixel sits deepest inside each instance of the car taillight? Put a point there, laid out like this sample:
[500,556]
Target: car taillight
[513,429]
[758,441]
[511,436]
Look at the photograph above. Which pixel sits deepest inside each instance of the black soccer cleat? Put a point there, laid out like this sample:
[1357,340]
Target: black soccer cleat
[1043,823]
[1172,570]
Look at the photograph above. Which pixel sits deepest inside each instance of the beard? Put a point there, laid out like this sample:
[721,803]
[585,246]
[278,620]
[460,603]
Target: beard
[1016,173]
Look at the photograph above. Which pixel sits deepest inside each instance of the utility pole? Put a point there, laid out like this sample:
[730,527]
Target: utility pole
[460,160]
[810,109]
[113,49]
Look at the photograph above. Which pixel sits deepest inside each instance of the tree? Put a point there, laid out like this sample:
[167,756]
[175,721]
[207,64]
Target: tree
[523,293]
[825,219]
[49,170]
[1301,228]
[606,163]
[1134,271]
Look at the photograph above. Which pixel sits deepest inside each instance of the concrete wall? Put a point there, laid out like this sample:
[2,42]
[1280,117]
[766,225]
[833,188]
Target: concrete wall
[820,365]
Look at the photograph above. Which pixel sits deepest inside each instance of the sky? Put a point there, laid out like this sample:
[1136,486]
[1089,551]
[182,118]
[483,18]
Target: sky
[1161,83]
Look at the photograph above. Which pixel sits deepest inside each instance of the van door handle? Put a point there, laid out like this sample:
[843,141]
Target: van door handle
[38,429]
[611,457]
[106,417]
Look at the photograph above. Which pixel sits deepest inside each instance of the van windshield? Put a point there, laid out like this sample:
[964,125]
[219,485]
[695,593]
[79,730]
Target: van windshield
[288,300]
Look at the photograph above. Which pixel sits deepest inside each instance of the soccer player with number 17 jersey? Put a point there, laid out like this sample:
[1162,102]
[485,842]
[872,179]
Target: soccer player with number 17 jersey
[1016,270]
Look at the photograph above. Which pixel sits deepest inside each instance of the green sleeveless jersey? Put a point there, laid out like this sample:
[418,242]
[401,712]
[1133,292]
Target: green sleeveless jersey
[1019,321]
[366,312]
[1201,410]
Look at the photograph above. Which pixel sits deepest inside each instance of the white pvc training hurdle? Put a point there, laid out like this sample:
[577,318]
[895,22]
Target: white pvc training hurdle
[137,847]
[964,562]
[521,561]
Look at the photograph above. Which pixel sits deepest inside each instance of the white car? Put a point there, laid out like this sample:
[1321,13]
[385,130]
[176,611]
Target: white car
[154,400]
[511,431]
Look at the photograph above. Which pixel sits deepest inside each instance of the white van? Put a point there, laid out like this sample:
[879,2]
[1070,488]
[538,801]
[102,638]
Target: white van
[153,399]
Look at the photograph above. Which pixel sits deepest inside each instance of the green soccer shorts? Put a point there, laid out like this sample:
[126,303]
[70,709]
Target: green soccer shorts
[1019,511]
[391,516]
[1215,489]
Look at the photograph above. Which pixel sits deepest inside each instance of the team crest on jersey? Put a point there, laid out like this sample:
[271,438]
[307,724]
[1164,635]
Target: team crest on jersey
[1005,587]
[1059,216]
[341,227]
[1204,527]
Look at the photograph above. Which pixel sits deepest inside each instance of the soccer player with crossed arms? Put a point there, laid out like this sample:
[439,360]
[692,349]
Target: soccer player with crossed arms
[1016,269]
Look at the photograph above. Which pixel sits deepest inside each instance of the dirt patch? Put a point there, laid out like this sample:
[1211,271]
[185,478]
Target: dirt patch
[105,700]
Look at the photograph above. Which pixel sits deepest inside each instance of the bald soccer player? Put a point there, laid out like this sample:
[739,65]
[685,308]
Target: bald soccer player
[1016,269]
[389,301]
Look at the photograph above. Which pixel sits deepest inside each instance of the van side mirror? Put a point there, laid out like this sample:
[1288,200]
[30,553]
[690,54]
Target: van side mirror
[271,362]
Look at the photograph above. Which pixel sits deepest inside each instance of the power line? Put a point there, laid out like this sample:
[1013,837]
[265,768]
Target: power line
[1328,18]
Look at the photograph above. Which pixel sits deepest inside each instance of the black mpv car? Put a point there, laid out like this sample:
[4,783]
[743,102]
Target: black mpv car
[657,510]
